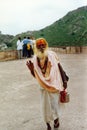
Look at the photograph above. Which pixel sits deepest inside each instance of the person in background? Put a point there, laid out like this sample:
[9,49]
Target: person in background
[19,48]
[44,67]
[33,42]
[24,47]
[29,47]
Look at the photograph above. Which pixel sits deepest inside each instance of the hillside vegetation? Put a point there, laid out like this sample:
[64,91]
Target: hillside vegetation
[71,30]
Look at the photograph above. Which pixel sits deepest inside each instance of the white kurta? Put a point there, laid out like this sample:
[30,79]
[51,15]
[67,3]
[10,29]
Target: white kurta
[49,97]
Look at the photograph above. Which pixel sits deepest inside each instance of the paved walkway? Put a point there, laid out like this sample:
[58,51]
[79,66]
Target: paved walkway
[20,96]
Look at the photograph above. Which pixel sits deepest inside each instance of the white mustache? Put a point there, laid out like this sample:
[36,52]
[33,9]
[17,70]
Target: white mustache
[41,54]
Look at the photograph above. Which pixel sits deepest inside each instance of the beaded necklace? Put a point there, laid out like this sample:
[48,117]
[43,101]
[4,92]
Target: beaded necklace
[43,69]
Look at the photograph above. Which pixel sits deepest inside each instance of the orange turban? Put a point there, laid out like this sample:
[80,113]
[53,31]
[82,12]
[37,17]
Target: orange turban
[41,41]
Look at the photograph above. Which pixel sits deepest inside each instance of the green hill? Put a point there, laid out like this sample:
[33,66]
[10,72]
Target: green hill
[71,30]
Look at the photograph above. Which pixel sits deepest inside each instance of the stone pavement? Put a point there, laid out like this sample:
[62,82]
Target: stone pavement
[20,96]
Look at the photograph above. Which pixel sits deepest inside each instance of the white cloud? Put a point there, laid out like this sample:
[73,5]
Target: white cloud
[17,16]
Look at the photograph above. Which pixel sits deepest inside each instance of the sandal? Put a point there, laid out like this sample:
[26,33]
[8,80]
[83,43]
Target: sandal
[48,126]
[56,123]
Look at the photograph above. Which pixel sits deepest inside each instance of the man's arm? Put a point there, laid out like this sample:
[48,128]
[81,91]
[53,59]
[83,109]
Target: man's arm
[30,67]
[65,78]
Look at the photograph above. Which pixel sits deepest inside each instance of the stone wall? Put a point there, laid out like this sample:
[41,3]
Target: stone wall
[12,55]
[84,49]
[70,50]
[8,55]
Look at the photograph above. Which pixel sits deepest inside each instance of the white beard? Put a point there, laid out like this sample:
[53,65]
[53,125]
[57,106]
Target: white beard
[41,55]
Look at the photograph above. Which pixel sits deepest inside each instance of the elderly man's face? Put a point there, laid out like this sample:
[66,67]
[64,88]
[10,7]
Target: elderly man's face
[41,47]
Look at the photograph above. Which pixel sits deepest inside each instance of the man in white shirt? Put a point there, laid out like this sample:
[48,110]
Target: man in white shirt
[19,48]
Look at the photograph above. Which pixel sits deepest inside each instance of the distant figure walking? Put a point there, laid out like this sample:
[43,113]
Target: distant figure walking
[19,48]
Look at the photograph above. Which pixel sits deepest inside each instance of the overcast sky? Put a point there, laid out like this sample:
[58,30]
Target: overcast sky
[17,16]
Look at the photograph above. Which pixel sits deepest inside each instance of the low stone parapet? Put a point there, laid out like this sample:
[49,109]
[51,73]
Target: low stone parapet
[84,49]
[12,54]
[8,55]
[70,50]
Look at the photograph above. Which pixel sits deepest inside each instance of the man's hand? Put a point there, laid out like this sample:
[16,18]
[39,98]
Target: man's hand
[31,67]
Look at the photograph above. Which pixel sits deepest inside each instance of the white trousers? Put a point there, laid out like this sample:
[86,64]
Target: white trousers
[50,105]
[19,54]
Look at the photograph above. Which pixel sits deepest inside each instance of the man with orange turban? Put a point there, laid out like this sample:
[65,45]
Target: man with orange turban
[44,67]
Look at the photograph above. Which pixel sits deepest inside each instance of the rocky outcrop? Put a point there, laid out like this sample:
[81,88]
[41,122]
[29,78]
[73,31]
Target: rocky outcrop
[3,46]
